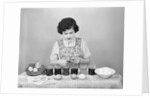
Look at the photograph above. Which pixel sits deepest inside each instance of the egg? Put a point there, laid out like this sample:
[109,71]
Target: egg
[30,69]
[35,70]
[74,76]
[58,77]
[37,65]
[81,76]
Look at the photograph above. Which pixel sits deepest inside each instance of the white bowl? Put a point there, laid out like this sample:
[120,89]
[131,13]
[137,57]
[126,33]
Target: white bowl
[105,72]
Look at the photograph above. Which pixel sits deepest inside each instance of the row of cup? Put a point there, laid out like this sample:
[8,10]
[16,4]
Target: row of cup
[69,70]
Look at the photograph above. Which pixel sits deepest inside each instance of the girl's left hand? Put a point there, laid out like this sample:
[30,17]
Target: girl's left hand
[76,60]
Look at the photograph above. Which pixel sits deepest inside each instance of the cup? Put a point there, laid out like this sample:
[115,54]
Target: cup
[91,69]
[57,70]
[83,69]
[65,70]
[49,70]
[74,69]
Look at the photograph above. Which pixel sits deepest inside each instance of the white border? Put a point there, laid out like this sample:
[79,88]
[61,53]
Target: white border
[147,8]
[133,42]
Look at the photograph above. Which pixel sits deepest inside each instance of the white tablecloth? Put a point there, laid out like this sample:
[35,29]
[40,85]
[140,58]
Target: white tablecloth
[25,81]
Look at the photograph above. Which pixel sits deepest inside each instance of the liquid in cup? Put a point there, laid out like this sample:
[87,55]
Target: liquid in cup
[57,70]
[65,70]
[83,69]
[91,69]
[49,70]
[74,69]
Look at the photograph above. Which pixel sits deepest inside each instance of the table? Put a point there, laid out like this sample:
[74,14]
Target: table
[25,81]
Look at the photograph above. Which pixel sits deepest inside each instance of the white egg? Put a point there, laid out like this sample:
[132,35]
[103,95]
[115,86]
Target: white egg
[35,70]
[37,65]
[74,76]
[81,76]
[30,69]
[58,77]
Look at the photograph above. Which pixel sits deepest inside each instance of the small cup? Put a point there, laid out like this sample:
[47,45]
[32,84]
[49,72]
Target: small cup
[49,70]
[57,70]
[83,69]
[91,69]
[74,69]
[65,70]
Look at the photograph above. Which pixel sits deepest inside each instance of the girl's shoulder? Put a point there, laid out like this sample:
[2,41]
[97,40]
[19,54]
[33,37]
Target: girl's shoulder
[81,41]
[59,40]
[79,38]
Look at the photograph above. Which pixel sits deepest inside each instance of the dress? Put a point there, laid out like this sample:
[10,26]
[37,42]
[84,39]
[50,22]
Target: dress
[78,48]
[68,52]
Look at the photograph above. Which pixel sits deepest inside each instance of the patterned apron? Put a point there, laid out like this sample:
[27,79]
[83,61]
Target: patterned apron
[68,52]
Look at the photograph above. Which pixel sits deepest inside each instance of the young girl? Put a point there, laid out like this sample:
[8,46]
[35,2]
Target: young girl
[69,47]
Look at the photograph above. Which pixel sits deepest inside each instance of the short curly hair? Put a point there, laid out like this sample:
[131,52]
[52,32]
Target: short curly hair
[67,23]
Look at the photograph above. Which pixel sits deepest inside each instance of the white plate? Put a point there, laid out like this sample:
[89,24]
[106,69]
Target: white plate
[36,79]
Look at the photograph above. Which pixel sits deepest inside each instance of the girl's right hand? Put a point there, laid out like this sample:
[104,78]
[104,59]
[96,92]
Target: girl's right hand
[62,62]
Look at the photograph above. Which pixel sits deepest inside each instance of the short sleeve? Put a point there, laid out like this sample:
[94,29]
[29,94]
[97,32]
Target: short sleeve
[85,49]
[55,52]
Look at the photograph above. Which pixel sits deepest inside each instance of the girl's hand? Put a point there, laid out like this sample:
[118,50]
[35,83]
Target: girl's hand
[76,60]
[62,62]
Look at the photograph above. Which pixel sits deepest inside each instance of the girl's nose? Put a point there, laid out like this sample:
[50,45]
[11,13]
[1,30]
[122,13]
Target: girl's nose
[69,35]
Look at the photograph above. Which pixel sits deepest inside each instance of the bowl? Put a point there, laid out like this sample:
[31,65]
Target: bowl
[31,70]
[105,72]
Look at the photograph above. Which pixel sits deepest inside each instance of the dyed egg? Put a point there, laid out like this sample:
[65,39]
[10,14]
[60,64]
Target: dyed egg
[81,76]
[37,65]
[35,70]
[58,77]
[74,76]
[30,69]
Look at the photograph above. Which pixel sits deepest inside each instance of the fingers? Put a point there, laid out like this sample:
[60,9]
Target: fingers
[75,60]
[62,62]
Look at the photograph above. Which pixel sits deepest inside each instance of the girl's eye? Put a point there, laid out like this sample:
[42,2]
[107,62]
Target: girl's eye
[68,33]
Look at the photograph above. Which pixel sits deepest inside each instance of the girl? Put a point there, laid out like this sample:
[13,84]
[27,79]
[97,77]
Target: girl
[69,47]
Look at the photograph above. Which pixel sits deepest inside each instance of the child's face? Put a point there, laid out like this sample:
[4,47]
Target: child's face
[69,34]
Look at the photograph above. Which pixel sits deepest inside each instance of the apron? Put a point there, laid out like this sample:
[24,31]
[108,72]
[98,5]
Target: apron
[68,52]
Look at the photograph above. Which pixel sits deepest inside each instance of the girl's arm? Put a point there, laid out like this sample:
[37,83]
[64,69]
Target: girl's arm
[54,54]
[81,60]
[84,60]
[54,59]
[86,53]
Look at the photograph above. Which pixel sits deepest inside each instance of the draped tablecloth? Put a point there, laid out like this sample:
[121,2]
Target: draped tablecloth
[91,81]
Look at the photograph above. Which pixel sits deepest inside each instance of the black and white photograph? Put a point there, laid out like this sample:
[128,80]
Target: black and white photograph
[71,48]
[75,48]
